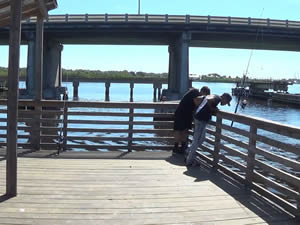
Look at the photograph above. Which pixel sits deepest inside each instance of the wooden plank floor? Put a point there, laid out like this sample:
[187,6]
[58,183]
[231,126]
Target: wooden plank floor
[136,188]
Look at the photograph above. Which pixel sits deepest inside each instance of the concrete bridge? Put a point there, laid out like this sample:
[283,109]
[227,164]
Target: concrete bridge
[179,32]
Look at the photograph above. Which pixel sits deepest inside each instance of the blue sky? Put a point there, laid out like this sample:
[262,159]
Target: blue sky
[264,64]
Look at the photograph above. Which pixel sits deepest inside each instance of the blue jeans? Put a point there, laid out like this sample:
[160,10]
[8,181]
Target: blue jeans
[199,136]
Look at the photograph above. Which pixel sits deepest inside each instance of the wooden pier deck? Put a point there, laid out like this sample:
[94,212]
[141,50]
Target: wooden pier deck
[128,188]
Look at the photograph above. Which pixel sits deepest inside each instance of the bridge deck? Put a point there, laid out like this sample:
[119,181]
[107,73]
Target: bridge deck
[134,188]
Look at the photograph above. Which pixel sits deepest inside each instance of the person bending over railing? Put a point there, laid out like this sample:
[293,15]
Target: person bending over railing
[206,106]
[184,117]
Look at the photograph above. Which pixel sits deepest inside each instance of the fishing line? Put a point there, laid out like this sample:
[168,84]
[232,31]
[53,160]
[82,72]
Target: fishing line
[248,65]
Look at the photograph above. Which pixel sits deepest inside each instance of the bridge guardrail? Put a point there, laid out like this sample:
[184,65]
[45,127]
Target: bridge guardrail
[182,19]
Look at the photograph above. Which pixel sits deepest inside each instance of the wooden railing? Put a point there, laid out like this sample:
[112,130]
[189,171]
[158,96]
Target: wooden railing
[262,154]
[178,19]
[94,125]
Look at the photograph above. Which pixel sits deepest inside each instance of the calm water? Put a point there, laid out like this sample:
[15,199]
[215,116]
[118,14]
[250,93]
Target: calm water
[144,92]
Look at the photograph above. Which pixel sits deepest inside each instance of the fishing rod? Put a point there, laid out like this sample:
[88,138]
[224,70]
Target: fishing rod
[247,69]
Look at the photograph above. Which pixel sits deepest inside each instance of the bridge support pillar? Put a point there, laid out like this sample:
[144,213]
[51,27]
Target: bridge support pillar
[107,86]
[52,70]
[178,77]
[131,92]
[75,89]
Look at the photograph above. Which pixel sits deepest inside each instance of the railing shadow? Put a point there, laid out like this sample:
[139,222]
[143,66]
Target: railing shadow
[263,208]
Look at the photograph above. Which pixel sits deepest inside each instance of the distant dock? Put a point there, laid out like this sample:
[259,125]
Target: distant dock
[273,90]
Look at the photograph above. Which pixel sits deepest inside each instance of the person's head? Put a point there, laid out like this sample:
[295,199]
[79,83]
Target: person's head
[204,91]
[225,99]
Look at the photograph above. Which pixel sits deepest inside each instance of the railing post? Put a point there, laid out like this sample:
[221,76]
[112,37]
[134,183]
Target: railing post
[287,23]
[86,17]
[67,17]
[217,140]
[154,92]
[130,129]
[126,17]
[251,156]
[131,92]
[107,86]
[166,18]
[106,18]
[249,20]
[159,86]
[146,18]
[65,126]
[229,20]
[268,22]
[36,129]
[208,19]
[75,89]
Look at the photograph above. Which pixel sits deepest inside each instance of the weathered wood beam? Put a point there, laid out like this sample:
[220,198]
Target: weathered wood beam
[4,3]
[39,57]
[41,5]
[12,104]
[51,4]
[25,9]
[6,21]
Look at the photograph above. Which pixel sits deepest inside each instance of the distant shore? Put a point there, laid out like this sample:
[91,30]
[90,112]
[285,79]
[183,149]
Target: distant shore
[136,77]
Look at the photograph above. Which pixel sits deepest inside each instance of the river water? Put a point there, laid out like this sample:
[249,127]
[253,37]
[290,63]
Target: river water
[286,114]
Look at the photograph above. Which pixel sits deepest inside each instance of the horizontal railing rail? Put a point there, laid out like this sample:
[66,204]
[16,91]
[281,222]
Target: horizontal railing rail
[179,19]
[262,154]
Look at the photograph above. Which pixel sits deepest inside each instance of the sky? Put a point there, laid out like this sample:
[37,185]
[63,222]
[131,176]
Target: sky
[230,62]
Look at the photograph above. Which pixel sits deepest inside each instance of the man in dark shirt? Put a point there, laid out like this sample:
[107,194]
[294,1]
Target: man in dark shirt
[206,106]
[184,117]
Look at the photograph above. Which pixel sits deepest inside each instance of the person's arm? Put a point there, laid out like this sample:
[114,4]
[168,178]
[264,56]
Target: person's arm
[198,100]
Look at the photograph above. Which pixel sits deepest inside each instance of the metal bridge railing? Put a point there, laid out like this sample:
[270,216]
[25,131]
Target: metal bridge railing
[171,19]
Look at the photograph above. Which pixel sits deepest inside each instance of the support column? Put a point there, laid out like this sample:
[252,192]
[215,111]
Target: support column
[12,103]
[36,137]
[75,89]
[154,92]
[52,72]
[107,86]
[52,68]
[131,92]
[178,78]
[159,86]
[30,77]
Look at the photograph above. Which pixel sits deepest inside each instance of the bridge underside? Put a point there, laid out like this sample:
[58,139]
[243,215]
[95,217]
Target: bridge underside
[215,36]
[178,37]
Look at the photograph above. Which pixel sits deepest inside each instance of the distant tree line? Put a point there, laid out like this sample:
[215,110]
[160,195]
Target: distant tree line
[94,74]
[98,74]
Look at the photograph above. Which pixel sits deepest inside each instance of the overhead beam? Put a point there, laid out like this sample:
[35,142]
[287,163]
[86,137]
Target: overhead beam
[30,8]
